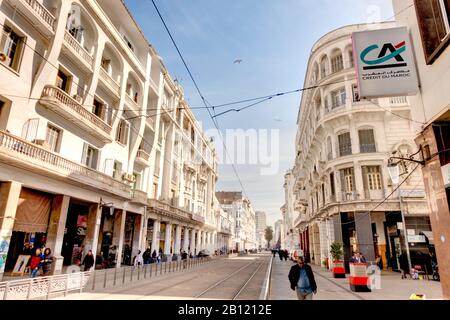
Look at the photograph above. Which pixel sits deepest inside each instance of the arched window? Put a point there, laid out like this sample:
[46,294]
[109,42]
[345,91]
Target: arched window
[366,141]
[345,144]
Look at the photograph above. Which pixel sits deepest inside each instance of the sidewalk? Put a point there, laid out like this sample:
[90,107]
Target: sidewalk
[329,288]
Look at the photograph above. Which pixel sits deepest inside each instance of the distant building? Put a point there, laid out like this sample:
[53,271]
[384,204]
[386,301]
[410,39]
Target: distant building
[240,207]
[261,225]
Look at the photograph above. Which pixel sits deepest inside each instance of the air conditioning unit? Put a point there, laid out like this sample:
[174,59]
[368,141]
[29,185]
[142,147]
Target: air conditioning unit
[128,177]
[42,143]
[4,59]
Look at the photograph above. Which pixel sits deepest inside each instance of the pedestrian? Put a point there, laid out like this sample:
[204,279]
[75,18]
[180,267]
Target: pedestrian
[357,258]
[35,263]
[286,254]
[404,265]
[302,280]
[88,261]
[99,261]
[138,260]
[154,256]
[46,261]
[147,256]
[274,252]
[184,257]
[280,254]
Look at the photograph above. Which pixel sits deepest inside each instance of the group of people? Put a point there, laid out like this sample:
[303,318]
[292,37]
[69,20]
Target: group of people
[41,260]
[283,254]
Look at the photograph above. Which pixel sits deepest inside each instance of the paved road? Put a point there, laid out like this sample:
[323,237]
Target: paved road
[392,286]
[235,278]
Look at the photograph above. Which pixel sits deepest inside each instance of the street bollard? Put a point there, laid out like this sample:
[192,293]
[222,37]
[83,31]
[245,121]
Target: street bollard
[139,273]
[123,279]
[145,271]
[156,271]
[115,276]
[106,276]
[131,277]
[160,269]
[165,267]
[93,281]
[81,281]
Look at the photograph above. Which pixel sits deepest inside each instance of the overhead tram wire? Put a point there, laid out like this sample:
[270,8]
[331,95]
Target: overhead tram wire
[200,94]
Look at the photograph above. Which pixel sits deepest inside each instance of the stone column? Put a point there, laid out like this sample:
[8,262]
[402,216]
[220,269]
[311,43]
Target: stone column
[186,239]
[55,234]
[192,244]
[167,241]
[209,242]
[9,199]
[199,241]
[155,238]
[177,246]
[137,236]
[93,228]
[119,233]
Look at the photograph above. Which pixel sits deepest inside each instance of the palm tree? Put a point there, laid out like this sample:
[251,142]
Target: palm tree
[268,235]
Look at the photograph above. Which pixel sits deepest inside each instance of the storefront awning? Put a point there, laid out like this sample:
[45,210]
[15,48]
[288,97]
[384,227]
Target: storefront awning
[429,235]
[32,212]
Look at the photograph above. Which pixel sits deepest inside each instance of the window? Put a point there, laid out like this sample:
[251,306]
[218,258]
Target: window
[155,190]
[434,18]
[355,93]
[90,156]
[53,138]
[157,163]
[345,144]
[372,177]
[63,81]
[117,170]
[350,59]
[338,97]
[347,180]
[122,132]
[129,44]
[11,48]
[99,109]
[337,63]
[323,67]
[366,141]
[332,187]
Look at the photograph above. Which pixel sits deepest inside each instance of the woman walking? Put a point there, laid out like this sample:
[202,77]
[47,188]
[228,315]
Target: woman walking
[35,263]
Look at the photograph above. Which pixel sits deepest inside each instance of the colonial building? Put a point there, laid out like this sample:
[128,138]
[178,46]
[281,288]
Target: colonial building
[290,214]
[245,225]
[428,23]
[278,234]
[343,190]
[98,148]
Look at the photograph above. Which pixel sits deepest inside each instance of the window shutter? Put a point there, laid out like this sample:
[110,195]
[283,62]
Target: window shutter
[29,129]
[84,154]
[109,167]
[97,158]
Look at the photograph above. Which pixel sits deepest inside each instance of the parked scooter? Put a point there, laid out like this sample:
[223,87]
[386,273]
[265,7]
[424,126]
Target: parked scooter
[435,275]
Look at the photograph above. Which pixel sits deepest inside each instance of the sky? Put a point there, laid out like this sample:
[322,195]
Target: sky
[273,38]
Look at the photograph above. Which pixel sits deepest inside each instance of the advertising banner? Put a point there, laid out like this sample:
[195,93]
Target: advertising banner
[384,63]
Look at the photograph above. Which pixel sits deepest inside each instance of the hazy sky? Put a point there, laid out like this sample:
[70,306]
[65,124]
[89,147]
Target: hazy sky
[273,38]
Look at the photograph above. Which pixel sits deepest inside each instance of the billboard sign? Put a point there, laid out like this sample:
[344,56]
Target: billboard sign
[384,63]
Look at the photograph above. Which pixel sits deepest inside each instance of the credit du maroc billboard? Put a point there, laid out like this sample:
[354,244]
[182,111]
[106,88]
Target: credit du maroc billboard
[384,63]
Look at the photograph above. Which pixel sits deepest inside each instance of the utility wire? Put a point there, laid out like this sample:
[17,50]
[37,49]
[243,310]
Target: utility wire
[199,92]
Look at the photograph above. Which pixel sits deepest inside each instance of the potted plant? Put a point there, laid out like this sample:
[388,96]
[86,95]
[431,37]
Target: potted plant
[336,252]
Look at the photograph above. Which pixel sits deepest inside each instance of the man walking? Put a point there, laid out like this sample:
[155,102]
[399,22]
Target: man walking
[302,280]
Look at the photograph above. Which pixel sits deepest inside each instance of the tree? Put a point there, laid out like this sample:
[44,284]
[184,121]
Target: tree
[268,235]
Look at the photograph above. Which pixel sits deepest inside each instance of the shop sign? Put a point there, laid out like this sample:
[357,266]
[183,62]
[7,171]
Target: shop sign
[446,175]
[416,239]
[358,269]
[384,63]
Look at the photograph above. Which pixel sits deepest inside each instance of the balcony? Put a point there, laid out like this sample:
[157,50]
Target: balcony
[34,158]
[189,165]
[61,103]
[108,83]
[373,194]
[36,12]
[142,158]
[131,103]
[79,54]
[398,101]
[349,196]
[139,197]
[162,208]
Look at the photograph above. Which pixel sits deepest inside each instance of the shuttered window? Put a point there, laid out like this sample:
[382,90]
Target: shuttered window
[433,18]
[366,141]
[345,144]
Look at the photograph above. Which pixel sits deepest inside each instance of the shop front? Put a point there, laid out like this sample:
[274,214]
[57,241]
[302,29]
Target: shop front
[30,224]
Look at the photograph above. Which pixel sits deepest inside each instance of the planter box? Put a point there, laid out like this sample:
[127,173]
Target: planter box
[338,269]
[358,278]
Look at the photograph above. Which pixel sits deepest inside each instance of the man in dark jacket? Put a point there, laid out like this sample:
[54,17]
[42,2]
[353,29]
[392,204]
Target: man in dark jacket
[88,261]
[302,280]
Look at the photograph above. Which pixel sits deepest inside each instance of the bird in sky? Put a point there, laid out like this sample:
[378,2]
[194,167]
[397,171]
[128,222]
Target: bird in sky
[238,61]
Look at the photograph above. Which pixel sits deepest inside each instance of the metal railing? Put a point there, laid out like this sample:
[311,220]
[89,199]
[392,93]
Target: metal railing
[367,148]
[398,100]
[105,76]
[78,48]
[43,156]
[70,103]
[78,282]
[169,209]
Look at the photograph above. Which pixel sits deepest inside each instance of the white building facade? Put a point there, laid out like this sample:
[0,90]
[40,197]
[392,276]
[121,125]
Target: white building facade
[290,214]
[235,203]
[98,148]
[342,187]
[261,224]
